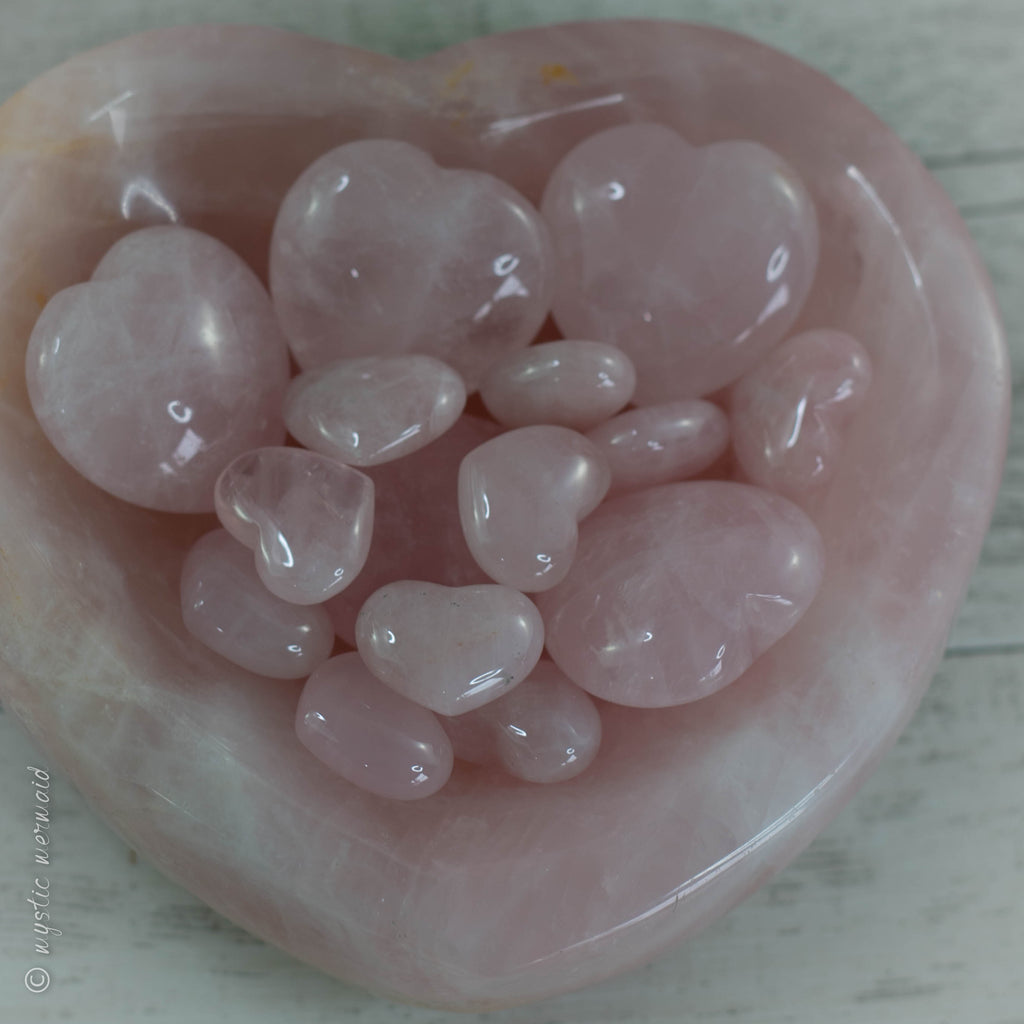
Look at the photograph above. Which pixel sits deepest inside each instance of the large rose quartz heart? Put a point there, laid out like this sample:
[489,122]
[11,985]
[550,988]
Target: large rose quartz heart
[493,891]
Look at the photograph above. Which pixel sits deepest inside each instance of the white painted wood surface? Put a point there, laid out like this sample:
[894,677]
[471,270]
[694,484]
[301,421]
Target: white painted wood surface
[910,907]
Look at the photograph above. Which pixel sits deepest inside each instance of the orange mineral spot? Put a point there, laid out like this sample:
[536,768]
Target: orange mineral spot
[554,73]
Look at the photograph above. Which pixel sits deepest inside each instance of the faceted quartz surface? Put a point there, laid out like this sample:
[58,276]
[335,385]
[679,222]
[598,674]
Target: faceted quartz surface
[176,320]
[375,409]
[520,498]
[451,649]
[378,251]
[371,735]
[225,604]
[637,215]
[307,518]
[493,891]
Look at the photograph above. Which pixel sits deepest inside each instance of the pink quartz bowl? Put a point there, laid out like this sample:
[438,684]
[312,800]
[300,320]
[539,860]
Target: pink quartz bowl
[494,891]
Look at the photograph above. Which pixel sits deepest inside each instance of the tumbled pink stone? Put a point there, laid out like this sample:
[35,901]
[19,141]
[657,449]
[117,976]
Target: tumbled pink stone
[520,498]
[375,409]
[153,375]
[677,589]
[370,735]
[569,383]
[307,518]
[416,528]
[791,412]
[378,251]
[451,649]
[658,444]
[226,606]
[546,730]
[695,261]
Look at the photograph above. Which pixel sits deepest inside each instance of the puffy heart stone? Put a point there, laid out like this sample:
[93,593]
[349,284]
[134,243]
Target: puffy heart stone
[375,409]
[520,498]
[694,260]
[676,590]
[492,892]
[790,414]
[378,251]
[162,368]
[451,649]
[546,729]
[308,519]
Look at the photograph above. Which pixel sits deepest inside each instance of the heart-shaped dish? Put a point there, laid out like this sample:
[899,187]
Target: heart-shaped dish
[493,891]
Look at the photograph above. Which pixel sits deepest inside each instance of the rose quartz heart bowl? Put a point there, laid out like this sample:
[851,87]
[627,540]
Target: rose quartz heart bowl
[494,891]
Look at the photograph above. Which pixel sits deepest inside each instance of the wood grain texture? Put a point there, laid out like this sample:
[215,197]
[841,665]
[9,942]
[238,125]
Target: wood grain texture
[910,907]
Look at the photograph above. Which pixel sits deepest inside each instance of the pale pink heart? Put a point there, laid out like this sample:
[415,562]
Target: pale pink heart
[307,518]
[416,528]
[657,444]
[696,261]
[573,384]
[492,892]
[165,365]
[375,409]
[225,605]
[545,730]
[791,413]
[451,649]
[676,590]
[520,499]
[370,735]
[378,251]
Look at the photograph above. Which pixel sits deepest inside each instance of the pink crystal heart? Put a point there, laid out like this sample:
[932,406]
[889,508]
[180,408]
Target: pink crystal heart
[493,891]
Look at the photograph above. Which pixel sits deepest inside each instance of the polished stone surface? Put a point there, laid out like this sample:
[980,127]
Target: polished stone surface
[492,892]
[161,368]
[379,251]
[521,497]
[451,649]
[791,414]
[676,590]
[307,518]
[225,605]
[658,444]
[573,384]
[544,730]
[696,261]
[375,409]
[370,735]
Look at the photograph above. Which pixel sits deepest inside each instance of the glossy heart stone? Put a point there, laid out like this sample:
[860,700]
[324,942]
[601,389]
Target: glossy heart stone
[378,251]
[152,376]
[720,245]
[493,891]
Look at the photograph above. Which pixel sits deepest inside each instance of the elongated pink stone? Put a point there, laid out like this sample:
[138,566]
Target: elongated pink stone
[677,589]
[225,605]
[695,261]
[152,376]
[375,409]
[659,444]
[568,383]
[451,649]
[378,251]
[546,730]
[370,735]
[521,496]
[790,413]
[416,528]
[307,518]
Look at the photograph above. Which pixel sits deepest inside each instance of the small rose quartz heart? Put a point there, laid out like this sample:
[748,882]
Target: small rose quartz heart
[451,649]
[520,498]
